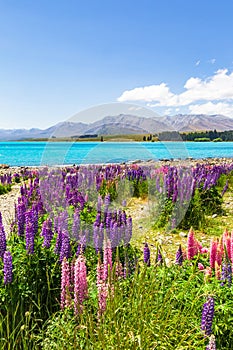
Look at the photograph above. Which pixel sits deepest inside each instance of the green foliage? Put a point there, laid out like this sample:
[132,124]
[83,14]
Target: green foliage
[4,188]
[201,139]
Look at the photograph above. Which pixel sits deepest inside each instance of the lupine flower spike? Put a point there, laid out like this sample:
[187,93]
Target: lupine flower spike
[146,254]
[212,344]
[207,316]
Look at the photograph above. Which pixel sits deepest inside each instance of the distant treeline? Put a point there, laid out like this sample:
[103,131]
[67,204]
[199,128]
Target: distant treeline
[212,135]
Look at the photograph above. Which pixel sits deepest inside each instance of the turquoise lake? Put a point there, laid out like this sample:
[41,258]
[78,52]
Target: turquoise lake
[59,153]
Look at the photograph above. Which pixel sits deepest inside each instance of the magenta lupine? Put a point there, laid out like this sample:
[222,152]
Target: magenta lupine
[107,258]
[80,283]
[65,284]
[231,247]
[7,267]
[200,266]
[207,316]
[213,253]
[191,245]
[2,240]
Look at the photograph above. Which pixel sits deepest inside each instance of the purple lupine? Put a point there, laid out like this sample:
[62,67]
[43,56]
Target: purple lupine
[146,254]
[207,316]
[2,241]
[20,212]
[226,273]
[29,235]
[159,257]
[58,244]
[47,232]
[76,225]
[7,267]
[212,344]
[225,187]
[0,218]
[80,283]
[179,256]
[65,284]
[65,246]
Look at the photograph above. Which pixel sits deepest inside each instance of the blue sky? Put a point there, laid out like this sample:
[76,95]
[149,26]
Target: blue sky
[60,57]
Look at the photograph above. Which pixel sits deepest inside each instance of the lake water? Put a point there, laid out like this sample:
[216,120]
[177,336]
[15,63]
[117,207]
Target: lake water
[59,153]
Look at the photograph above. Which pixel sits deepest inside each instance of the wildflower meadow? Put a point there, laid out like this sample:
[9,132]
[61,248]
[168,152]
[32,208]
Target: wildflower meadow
[72,278]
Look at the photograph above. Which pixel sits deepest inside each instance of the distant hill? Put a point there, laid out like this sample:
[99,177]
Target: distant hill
[124,124]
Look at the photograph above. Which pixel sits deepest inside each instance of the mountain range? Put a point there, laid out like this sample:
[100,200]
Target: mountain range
[123,124]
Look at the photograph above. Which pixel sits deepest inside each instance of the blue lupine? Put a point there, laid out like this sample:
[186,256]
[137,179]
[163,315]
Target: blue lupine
[207,316]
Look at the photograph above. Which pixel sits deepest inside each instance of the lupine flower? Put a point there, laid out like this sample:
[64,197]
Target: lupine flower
[7,267]
[192,246]
[102,287]
[200,266]
[47,232]
[146,254]
[107,258]
[159,257]
[65,284]
[207,316]
[212,344]
[179,256]
[213,253]
[2,241]
[225,187]
[80,283]
[226,273]
[30,231]
[65,246]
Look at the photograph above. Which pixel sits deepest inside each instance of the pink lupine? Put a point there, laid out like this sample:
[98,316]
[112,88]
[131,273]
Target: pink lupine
[107,258]
[204,250]
[80,283]
[65,284]
[232,246]
[226,241]
[102,287]
[213,252]
[200,266]
[191,245]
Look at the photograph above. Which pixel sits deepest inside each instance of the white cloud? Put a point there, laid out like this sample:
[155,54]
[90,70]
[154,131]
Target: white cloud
[218,87]
[212,108]
[156,93]
[216,91]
